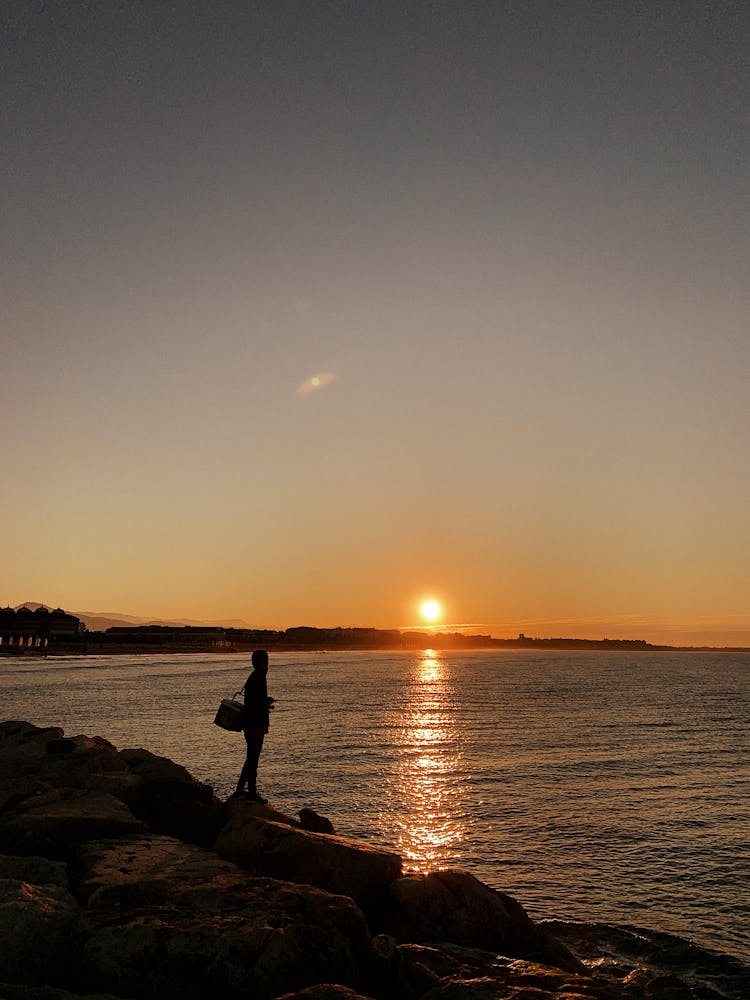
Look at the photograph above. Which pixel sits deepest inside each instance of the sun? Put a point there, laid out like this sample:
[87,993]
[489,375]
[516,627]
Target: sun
[430,611]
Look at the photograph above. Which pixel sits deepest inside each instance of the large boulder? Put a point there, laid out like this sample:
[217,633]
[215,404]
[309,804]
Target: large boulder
[332,863]
[34,760]
[50,822]
[37,929]
[166,919]
[229,935]
[170,800]
[454,906]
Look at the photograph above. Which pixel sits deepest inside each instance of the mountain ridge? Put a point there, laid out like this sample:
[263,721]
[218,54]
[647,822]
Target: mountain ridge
[100,621]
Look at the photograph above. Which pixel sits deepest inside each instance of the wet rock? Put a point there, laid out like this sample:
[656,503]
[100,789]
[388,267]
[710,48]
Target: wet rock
[332,863]
[314,822]
[37,925]
[450,972]
[454,906]
[50,822]
[652,964]
[516,989]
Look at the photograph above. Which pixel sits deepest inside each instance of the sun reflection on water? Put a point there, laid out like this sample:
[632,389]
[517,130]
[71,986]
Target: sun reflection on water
[427,763]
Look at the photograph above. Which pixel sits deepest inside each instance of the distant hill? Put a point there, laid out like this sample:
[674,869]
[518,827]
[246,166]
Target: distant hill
[99,621]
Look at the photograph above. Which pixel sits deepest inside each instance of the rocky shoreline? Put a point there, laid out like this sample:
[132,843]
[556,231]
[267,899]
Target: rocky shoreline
[121,876]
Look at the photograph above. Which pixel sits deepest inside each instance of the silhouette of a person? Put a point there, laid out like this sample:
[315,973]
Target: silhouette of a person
[255,723]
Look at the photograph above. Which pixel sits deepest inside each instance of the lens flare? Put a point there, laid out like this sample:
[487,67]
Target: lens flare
[318,381]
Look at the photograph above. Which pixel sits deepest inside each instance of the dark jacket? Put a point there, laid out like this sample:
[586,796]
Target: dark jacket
[256,715]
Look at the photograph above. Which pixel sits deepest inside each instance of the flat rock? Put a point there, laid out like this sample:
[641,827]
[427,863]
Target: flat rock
[146,867]
[50,822]
[454,906]
[238,809]
[332,863]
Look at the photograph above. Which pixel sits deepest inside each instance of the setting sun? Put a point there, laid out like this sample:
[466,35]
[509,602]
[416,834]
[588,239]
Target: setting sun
[430,611]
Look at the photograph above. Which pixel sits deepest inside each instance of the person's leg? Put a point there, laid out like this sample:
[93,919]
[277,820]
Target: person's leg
[254,747]
[250,766]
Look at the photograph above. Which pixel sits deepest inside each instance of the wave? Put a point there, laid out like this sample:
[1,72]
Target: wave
[615,952]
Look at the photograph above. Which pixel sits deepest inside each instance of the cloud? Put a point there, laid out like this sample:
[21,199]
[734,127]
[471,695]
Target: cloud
[315,382]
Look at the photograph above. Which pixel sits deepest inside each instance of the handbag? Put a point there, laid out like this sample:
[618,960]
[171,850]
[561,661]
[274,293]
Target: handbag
[231,713]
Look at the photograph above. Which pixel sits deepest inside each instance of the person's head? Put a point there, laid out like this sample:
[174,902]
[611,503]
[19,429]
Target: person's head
[259,660]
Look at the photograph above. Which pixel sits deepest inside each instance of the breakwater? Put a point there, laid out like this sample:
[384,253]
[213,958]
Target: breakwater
[123,875]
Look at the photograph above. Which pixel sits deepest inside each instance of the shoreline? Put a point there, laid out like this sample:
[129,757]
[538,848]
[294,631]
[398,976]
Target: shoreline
[586,646]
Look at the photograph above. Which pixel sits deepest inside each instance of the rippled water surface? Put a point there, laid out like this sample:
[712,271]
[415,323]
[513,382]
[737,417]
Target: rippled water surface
[608,787]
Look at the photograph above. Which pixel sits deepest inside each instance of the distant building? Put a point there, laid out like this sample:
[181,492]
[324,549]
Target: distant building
[25,627]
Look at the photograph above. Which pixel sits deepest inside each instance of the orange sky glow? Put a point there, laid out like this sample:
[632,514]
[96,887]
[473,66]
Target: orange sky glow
[410,309]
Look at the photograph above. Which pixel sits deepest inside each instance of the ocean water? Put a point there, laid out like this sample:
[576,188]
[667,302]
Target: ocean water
[606,787]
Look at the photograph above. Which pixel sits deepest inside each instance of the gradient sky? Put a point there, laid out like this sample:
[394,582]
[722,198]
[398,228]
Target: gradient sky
[311,310]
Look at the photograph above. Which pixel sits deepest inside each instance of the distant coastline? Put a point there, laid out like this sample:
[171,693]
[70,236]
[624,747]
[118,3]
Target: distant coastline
[164,639]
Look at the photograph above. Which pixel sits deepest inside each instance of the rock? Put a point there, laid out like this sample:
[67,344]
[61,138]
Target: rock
[37,925]
[38,871]
[223,935]
[80,745]
[81,762]
[517,988]
[642,961]
[312,821]
[50,822]
[62,745]
[16,992]
[238,809]
[335,864]
[20,740]
[325,991]
[167,919]
[170,800]
[147,867]
[156,770]
[451,972]
[454,906]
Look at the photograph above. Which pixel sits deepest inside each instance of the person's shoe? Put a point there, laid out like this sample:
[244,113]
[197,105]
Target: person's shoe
[254,797]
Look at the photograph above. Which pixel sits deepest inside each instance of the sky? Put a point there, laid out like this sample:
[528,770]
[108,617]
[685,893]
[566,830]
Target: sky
[313,311]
